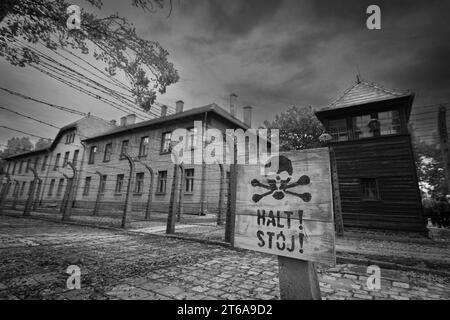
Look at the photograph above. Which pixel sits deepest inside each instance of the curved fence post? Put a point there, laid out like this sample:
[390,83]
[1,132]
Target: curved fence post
[15,195]
[97,199]
[127,206]
[5,191]
[181,195]
[148,209]
[67,205]
[170,228]
[221,195]
[38,192]
[29,203]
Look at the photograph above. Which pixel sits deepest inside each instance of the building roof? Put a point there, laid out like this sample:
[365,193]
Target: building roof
[363,92]
[52,145]
[214,108]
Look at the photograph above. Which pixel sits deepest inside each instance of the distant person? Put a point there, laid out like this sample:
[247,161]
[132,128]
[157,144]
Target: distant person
[446,213]
[429,208]
[442,209]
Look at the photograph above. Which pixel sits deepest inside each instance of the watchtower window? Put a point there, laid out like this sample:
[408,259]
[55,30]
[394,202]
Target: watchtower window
[369,189]
[389,122]
[338,129]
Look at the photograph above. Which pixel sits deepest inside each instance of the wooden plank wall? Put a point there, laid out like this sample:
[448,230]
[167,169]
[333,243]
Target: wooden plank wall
[389,159]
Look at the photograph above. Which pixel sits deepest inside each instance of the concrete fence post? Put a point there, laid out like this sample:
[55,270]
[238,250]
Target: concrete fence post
[170,228]
[15,195]
[97,199]
[148,208]
[4,194]
[221,195]
[38,192]
[181,195]
[29,203]
[128,205]
[67,205]
[231,204]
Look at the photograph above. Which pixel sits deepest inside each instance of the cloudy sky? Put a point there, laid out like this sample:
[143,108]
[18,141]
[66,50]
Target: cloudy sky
[272,54]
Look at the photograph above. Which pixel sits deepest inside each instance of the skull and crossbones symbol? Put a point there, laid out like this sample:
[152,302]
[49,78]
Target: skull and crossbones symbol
[278,183]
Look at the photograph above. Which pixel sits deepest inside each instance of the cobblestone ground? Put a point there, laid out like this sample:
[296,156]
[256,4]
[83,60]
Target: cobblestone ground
[35,254]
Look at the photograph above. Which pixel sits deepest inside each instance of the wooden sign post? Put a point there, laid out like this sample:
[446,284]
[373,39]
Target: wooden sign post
[288,211]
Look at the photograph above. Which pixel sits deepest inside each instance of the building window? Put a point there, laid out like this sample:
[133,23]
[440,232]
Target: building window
[22,190]
[119,183]
[20,167]
[70,138]
[189,174]
[124,149]
[28,165]
[338,129]
[361,127]
[36,161]
[92,153]
[107,155]
[143,147]
[60,187]
[103,183]
[162,181]
[369,189]
[66,159]
[165,142]
[44,163]
[139,184]
[52,186]
[58,156]
[9,168]
[14,167]
[75,157]
[389,122]
[87,186]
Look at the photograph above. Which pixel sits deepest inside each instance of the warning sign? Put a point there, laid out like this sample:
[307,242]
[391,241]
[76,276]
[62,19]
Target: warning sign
[287,212]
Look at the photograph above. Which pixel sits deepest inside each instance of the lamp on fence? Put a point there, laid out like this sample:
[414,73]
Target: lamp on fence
[324,137]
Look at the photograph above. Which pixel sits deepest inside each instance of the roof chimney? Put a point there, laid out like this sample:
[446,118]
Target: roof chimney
[123,121]
[163,110]
[179,106]
[131,118]
[233,99]
[248,115]
[113,122]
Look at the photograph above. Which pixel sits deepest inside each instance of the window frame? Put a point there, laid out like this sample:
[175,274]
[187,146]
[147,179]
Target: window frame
[87,186]
[51,188]
[60,187]
[108,152]
[66,158]
[163,142]
[56,166]
[92,153]
[362,182]
[162,180]
[119,183]
[189,181]
[124,143]
[139,183]
[76,153]
[143,146]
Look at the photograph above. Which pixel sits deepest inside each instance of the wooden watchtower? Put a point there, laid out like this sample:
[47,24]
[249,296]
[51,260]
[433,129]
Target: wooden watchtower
[377,175]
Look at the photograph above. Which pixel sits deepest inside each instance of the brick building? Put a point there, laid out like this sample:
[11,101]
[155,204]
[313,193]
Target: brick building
[97,147]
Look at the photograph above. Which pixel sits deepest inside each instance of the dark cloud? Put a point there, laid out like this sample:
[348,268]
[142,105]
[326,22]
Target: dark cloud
[274,54]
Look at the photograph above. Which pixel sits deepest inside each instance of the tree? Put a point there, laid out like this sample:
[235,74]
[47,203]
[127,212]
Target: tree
[42,143]
[299,128]
[429,164]
[114,39]
[15,146]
